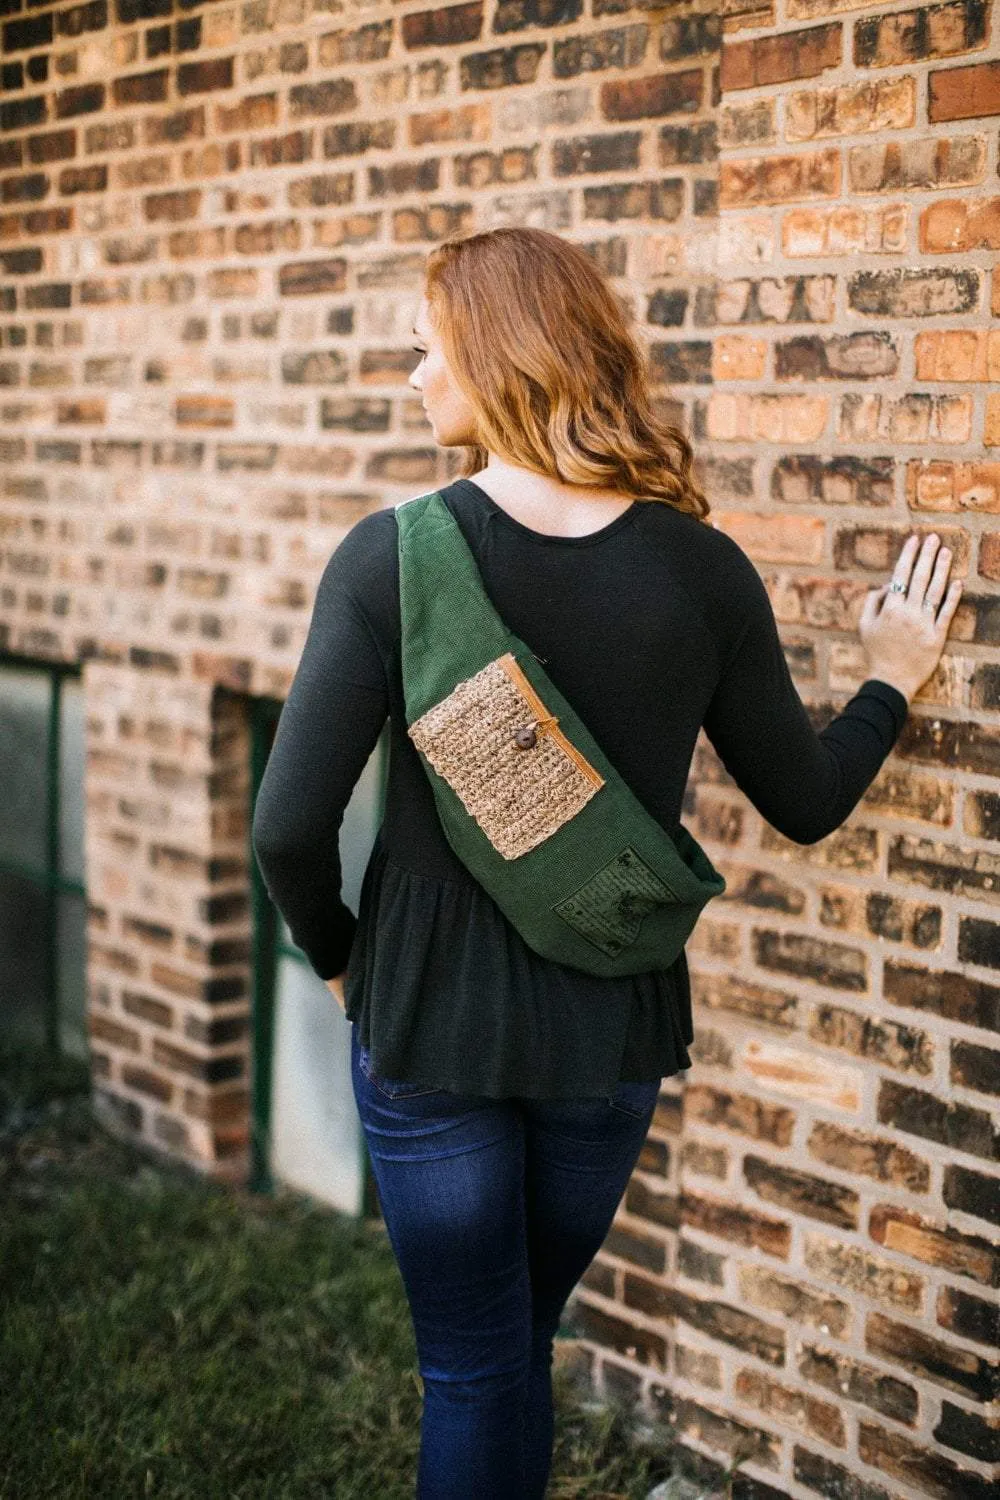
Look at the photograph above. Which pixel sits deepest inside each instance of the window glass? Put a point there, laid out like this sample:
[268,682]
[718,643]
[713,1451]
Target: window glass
[71,766]
[316,1140]
[24,736]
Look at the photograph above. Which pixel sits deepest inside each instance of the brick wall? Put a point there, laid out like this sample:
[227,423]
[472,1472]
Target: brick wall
[213,223]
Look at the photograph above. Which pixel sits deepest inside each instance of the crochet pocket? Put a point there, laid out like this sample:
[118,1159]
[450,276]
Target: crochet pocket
[503,754]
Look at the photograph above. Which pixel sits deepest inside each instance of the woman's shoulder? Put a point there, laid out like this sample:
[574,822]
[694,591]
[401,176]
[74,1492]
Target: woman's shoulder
[360,557]
[701,546]
[702,558]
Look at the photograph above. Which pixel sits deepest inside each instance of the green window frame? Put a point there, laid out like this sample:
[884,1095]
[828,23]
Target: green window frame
[47,873]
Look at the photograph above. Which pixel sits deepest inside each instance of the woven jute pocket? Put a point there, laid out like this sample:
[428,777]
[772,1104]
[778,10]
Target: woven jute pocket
[501,751]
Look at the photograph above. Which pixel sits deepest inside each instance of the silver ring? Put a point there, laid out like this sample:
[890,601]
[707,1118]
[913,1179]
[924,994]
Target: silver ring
[896,587]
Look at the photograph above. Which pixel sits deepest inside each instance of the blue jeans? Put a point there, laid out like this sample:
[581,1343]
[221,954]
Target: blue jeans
[494,1209]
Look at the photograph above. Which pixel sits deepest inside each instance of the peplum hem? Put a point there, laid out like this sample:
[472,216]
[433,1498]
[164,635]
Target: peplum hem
[443,990]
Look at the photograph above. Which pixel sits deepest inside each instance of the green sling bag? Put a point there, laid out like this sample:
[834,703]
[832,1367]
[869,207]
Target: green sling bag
[526,797]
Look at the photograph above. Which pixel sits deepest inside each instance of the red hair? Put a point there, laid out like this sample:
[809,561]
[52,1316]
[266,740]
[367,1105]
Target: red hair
[544,351]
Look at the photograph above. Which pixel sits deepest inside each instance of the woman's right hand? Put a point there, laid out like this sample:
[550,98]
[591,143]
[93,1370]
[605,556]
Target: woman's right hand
[905,638]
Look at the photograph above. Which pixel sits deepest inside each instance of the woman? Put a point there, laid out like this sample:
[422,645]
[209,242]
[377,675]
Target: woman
[505,1098]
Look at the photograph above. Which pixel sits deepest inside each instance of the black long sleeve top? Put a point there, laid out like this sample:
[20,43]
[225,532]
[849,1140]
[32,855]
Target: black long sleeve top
[653,626]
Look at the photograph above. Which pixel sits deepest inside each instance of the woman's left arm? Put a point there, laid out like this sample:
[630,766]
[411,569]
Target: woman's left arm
[329,726]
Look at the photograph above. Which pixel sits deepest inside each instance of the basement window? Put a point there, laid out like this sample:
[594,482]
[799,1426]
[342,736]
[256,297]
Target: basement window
[43,908]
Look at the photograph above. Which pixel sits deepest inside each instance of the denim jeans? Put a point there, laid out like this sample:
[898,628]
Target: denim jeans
[494,1208]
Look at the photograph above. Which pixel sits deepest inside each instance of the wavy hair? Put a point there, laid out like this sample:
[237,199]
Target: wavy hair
[545,352]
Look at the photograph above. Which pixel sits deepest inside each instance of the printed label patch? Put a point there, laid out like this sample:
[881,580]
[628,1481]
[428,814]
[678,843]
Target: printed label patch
[609,907]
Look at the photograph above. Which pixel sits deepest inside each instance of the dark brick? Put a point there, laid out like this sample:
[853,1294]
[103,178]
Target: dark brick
[82,18]
[641,1249]
[85,99]
[277,150]
[972,1193]
[686,36]
[946,1121]
[985,686]
[718,1320]
[446,27]
[930,1358]
[975,1067]
[141,10]
[21,262]
[832,1480]
[54,452]
[24,189]
[158,41]
[304,278]
[355,137]
[404,177]
[741,1225]
[701,1264]
[47,220]
[83,179]
[202,77]
[982,809]
[250,458]
[865,1384]
[667,307]
[173,207]
[355,414]
[972,1317]
[49,294]
[640,1344]
[142,88]
[968,1432]
[55,145]
[338,48]
[187,34]
[662,200]
[926,1471]
[622,47]
[28,32]
[800,1192]
[979,942]
[501,67]
[679,363]
[596,153]
[517,15]
[317,367]
[11,76]
[332,97]
[956,997]
[687,145]
[15,114]
[182,125]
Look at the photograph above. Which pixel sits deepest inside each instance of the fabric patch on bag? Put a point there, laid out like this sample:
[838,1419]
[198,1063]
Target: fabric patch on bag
[609,907]
[500,750]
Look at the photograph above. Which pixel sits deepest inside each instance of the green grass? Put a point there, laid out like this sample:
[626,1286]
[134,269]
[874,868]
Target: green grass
[165,1336]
